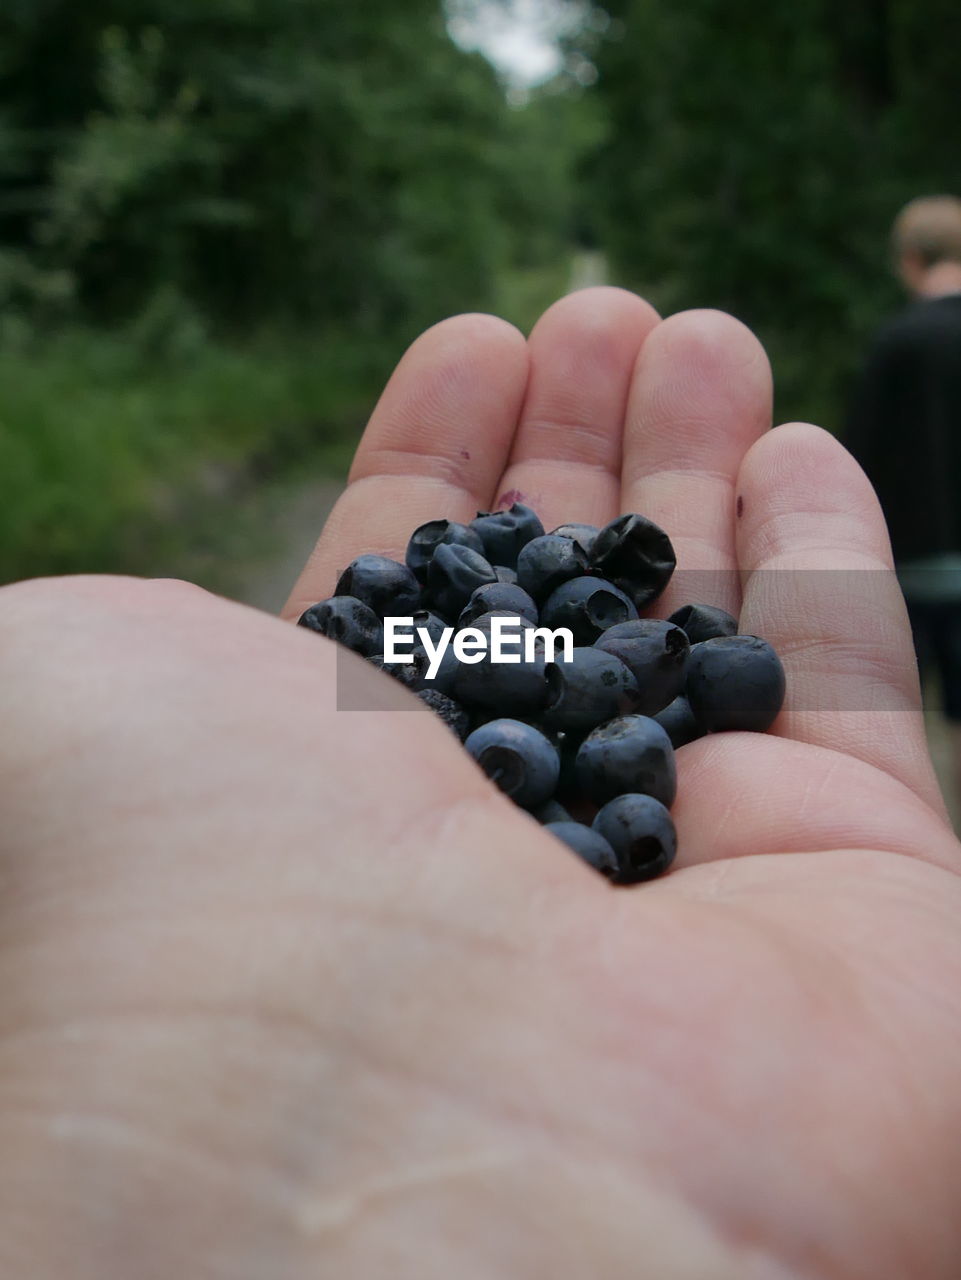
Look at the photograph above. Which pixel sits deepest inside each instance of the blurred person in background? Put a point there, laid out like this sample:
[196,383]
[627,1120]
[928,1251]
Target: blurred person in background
[904,427]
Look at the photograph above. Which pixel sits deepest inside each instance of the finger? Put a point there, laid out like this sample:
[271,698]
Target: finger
[741,795]
[566,457]
[701,397]
[435,446]
[821,589]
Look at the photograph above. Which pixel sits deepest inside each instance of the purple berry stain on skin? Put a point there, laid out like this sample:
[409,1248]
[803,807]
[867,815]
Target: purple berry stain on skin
[740,506]
[510,497]
[465,454]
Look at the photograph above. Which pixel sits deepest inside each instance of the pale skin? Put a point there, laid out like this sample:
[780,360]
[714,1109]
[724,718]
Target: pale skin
[292,992]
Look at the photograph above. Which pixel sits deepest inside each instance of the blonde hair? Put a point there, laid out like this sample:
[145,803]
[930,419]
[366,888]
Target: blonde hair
[930,227]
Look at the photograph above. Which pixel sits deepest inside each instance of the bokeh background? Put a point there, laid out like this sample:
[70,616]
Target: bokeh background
[221,222]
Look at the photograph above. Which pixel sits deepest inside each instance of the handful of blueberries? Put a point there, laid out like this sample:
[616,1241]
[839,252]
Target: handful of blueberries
[584,743]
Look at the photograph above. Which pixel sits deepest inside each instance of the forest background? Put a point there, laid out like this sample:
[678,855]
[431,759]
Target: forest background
[221,222]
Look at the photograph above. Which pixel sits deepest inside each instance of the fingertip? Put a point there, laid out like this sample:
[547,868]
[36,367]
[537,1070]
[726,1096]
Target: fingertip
[800,473]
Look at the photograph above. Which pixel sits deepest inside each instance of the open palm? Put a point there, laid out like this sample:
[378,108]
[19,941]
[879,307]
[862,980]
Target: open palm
[484,1061]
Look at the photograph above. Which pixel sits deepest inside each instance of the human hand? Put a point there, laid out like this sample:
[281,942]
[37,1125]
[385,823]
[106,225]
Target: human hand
[288,991]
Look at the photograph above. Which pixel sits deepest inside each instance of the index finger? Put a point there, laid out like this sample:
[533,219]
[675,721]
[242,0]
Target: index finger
[435,446]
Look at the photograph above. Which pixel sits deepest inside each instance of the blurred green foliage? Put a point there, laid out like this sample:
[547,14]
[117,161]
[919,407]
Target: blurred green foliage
[755,158]
[220,223]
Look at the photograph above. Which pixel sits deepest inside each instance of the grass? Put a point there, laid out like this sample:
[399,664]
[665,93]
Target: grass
[113,463]
[120,456]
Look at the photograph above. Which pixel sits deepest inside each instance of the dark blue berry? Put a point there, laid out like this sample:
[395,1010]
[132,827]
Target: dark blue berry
[504,533]
[504,574]
[735,682]
[629,754]
[499,597]
[640,831]
[551,811]
[348,621]
[703,622]
[425,540]
[451,712]
[586,607]
[677,719]
[636,555]
[454,574]
[588,844]
[518,758]
[582,534]
[656,653]
[385,586]
[593,687]
[410,674]
[548,562]
[516,688]
[432,623]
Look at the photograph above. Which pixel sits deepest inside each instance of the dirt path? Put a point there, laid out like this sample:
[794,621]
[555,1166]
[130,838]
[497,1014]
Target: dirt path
[296,515]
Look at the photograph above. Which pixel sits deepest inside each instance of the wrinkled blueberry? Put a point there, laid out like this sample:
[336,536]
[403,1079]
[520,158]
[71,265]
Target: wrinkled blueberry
[348,621]
[451,712]
[425,540]
[582,534]
[518,758]
[636,555]
[548,562]
[735,682]
[656,653]
[454,573]
[586,607]
[588,843]
[640,831]
[385,586]
[498,597]
[703,622]
[504,533]
[677,719]
[629,754]
[593,687]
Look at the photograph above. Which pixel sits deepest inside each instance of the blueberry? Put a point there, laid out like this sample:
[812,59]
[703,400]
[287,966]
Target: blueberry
[451,712]
[432,623]
[504,574]
[582,534]
[427,538]
[640,831]
[703,622]
[410,674]
[518,758]
[455,572]
[348,621]
[735,682]
[551,811]
[636,555]
[445,677]
[388,588]
[586,607]
[517,687]
[548,562]
[503,533]
[593,687]
[499,597]
[629,754]
[656,653]
[677,719]
[588,843]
